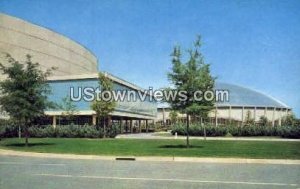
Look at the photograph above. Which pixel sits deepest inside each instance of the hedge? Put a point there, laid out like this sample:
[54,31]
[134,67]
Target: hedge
[197,130]
[63,131]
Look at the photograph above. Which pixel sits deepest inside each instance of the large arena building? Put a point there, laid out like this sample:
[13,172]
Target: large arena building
[76,67]
[241,101]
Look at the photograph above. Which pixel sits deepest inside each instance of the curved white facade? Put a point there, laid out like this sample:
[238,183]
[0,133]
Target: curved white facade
[49,49]
[242,101]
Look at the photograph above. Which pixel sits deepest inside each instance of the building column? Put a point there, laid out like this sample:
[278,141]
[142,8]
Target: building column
[243,115]
[126,126]
[164,117]
[280,114]
[230,115]
[273,117]
[254,116]
[131,127]
[94,119]
[216,116]
[147,126]
[121,125]
[154,125]
[54,121]
[140,126]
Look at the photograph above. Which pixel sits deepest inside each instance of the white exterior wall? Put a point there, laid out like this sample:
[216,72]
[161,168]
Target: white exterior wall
[50,49]
[236,113]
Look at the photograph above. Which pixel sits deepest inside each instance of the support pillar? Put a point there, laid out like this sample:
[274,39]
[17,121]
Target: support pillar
[147,126]
[121,126]
[125,125]
[131,127]
[164,117]
[230,115]
[140,126]
[254,116]
[216,116]
[154,126]
[94,119]
[273,118]
[243,115]
[280,115]
[54,121]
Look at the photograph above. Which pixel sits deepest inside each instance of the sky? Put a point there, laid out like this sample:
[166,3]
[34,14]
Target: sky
[254,43]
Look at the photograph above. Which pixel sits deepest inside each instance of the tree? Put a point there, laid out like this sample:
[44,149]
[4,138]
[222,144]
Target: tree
[173,116]
[248,119]
[68,107]
[24,92]
[263,121]
[192,76]
[101,105]
[289,120]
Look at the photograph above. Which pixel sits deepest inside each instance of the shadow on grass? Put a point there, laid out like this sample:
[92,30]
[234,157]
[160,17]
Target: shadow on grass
[179,146]
[29,145]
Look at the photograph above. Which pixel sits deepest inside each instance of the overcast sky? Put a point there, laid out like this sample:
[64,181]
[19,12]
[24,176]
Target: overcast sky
[250,43]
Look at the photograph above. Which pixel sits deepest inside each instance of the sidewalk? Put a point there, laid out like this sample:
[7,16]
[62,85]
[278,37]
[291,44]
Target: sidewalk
[169,136]
[150,158]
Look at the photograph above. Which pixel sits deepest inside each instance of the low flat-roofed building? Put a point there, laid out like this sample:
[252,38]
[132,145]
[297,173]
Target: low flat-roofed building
[76,67]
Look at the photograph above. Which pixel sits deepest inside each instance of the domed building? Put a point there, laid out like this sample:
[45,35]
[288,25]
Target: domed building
[241,102]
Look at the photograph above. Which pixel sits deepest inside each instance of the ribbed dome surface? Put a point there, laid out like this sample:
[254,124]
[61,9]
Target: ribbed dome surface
[241,96]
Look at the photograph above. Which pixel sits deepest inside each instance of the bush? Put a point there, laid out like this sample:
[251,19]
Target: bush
[290,132]
[197,130]
[67,131]
[247,130]
[7,131]
[63,131]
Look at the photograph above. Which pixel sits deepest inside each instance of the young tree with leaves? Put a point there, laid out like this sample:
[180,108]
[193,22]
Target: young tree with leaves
[173,116]
[102,106]
[289,120]
[263,121]
[24,92]
[248,119]
[191,76]
[69,108]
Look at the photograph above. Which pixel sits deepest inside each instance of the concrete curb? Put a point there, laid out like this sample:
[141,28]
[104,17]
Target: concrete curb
[151,158]
[135,136]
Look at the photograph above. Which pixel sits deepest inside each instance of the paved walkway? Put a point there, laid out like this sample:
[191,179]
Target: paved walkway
[167,135]
[151,158]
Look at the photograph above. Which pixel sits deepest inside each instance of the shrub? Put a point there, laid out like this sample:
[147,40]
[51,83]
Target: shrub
[247,130]
[197,130]
[64,131]
[290,132]
[113,131]
[7,131]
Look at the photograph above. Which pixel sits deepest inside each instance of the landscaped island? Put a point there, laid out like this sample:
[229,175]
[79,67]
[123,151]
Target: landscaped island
[144,147]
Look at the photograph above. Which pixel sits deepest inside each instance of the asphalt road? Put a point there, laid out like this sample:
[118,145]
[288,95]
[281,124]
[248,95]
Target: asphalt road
[39,173]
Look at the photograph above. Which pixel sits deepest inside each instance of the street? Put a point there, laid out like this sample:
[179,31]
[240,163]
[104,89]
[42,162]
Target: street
[32,172]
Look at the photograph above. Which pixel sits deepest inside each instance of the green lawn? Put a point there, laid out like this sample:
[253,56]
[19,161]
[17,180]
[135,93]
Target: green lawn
[143,147]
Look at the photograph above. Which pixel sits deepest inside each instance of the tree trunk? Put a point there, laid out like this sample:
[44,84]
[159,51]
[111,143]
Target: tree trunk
[204,129]
[26,135]
[19,131]
[187,131]
[104,128]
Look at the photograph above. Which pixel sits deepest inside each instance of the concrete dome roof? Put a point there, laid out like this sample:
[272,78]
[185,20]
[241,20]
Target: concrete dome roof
[242,96]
